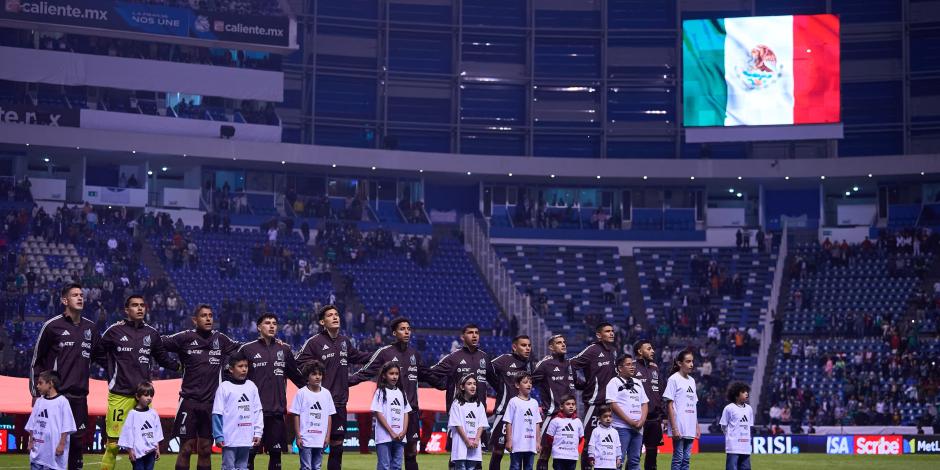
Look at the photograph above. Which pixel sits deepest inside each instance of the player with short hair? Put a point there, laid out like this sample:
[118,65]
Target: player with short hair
[129,347]
[596,361]
[413,370]
[554,380]
[65,345]
[648,373]
[502,374]
[270,364]
[336,352]
[201,350]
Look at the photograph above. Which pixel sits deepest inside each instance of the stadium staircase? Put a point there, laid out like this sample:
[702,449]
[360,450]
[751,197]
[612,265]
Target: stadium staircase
[631,275]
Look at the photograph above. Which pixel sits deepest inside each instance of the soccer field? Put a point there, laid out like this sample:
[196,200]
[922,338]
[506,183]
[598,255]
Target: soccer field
[355,461]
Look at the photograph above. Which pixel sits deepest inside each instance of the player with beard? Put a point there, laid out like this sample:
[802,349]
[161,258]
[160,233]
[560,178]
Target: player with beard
[554,380]
[65,345]
[129,346]
[336,352]
[400,352]
[502,374]
[596,362]
[270,364]
[202,352]
[648,373]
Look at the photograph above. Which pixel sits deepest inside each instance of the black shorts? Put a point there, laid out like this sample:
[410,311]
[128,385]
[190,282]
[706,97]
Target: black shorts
[413,434]
[338,424]
[591,416]
[79,406]
[193,419]
[273,437]
[498,433]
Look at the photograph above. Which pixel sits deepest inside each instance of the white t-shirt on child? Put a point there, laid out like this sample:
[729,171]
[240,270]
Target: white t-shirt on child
[566,434]
[523,415]
[738,421]
[470,416]
[393,408]
[680,391]
[630,400]
[47,422]
[142,432]
[314,410]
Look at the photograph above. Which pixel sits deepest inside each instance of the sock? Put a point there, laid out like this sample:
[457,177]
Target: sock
[251,457]
[204,467]
[336,457]
[274,460]
[495,460]
[411,462]
[76,447]
[109,458]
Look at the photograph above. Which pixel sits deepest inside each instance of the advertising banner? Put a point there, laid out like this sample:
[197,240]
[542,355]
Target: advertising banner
[39,115]
[922,444]
[152,19]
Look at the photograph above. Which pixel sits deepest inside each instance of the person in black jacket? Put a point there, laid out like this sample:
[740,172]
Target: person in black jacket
[470,359]
[65,345]
[502,374]
[128,348]
[413,371]
[647,372]
[202,352]
[596,362]
[336,352]
[270,364]
[554,380]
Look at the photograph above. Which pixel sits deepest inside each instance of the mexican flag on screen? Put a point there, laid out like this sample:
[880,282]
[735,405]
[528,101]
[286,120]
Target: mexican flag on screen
[770,70]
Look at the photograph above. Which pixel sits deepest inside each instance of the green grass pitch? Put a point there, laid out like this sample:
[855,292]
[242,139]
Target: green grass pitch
[356,461]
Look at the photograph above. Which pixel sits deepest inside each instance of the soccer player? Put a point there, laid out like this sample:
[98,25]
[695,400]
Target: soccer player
[470,359]
[129,347]
[501,375]
[336,352]
[201,350]
[648,373]
[597,363]
[413,370]
[270,364]
[554,380]
[65,345]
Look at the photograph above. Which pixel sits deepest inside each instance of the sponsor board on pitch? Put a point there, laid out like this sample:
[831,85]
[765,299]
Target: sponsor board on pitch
[921,444]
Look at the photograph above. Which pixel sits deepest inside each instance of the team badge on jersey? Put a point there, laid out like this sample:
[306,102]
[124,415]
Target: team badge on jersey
[215,344]
[87,335]
[280,355]
[147,341]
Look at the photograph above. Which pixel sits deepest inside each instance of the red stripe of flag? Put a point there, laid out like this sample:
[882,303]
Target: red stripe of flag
[816,69]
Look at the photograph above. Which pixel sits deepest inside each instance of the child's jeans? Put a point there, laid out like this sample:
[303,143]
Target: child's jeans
[235,458]
[390,455]
[145,462]
[521,460]
[311,458]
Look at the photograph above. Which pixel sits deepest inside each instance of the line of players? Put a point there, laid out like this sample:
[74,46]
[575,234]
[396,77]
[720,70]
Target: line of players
[70,343]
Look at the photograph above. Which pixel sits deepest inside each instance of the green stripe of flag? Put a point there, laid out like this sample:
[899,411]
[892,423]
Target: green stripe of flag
[705,93]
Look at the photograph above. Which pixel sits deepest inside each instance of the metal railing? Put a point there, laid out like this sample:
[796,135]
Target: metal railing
[757,382]
[510,300]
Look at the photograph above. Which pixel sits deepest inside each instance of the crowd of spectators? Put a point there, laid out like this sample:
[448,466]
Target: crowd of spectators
[874,386]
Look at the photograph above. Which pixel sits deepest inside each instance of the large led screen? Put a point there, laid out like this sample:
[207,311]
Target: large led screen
[761,71]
